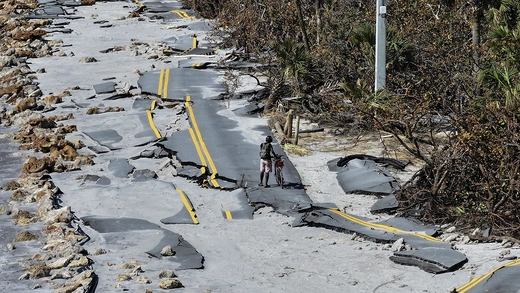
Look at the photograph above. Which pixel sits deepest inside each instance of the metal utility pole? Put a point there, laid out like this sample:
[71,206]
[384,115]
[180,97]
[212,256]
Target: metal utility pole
[380,45]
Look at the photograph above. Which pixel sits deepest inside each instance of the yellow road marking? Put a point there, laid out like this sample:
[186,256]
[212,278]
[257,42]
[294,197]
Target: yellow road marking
[199,151]
[194,45]
[188,206]
[381,226]
[152,125]
[201,142]
[164,78]
[160,87]
[475,281]
[186,51]
[228,215]
[166,81]
[183,14]
[195,64]
[152,107]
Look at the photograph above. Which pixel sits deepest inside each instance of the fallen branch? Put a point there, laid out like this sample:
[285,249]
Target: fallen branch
[312,130]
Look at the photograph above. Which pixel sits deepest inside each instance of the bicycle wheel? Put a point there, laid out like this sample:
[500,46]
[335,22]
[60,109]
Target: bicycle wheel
[279,176]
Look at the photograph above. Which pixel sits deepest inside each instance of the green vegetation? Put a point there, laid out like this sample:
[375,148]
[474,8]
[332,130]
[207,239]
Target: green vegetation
[452,65]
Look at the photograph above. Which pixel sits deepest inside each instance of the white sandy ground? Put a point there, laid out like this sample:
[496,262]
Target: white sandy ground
[265,254]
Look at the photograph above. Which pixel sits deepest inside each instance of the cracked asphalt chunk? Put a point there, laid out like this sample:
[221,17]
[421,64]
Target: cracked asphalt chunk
[186,256]
[361,176]
[105,87]
[106,138]
[120,167]
[431,260]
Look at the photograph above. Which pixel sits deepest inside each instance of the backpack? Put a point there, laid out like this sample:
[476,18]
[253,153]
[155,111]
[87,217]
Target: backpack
[264,151]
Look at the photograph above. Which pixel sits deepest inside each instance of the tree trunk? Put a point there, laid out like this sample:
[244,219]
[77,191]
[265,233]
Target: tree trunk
[274,95]
[318,3]
[302,26]
[478,15]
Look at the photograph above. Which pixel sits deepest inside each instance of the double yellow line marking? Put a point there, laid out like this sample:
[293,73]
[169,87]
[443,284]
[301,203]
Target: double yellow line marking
[475,281]
[381,226]
[183,14]
[200,146]
[162,89]
[188,206]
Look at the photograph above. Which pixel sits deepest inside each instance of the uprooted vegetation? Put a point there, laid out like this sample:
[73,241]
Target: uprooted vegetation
[451,95]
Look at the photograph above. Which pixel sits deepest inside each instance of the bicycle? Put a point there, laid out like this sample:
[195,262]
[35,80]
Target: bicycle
[278,170]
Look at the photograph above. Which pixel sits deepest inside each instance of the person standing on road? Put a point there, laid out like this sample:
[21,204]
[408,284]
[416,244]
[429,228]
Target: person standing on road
[266,149]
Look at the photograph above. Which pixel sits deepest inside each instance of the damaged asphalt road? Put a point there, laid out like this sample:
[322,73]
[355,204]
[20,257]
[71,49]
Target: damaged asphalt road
[206,148]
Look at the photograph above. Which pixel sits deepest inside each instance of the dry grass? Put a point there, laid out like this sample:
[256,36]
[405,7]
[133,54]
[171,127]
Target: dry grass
[296,150]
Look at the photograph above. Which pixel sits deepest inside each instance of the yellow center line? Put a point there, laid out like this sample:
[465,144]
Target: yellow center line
[188,206]
[179,13]
[199,151]
[152,125]
[166,81]
[228,215]
[152,107]
[183,14]
[160,87]
[475,281]
[201,142]
[382,227]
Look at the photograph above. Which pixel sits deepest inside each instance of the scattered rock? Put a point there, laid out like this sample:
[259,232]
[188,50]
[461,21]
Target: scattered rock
[52,100]
[60,263]
[87,60]
[168,251]
[25,104]
[12,185]
[24,218]
[100,251]
[61,215]
[35,165]
[123,277]
[23,236]
[19,194]
[39,270]
[81,262]
[170,284]
[96,110]
[169,274]
[143,280]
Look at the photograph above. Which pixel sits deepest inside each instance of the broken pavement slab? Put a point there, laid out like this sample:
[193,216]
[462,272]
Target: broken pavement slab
[186,215]
[431,260]
[281,200]
[236,206]
[120,167]
[429,254]
[186,256]
[105,87]
[497,280]
[388,204]
[364,176]
[177,83]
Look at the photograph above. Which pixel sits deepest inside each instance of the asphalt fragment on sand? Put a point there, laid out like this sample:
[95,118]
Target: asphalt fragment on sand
[186,256]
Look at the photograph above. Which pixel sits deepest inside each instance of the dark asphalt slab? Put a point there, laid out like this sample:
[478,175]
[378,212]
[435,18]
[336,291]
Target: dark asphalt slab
[186,257]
